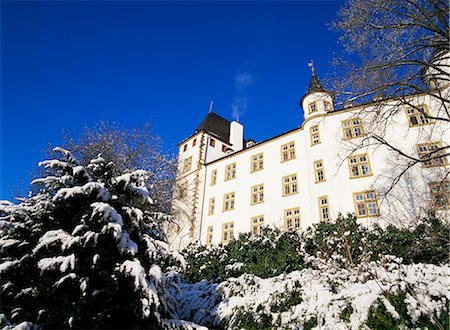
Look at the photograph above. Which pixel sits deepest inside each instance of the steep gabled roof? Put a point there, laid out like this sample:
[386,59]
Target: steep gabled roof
[216,126]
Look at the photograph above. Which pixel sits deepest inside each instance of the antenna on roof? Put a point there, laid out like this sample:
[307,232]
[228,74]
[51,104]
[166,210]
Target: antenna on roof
[210,106]
[311,65]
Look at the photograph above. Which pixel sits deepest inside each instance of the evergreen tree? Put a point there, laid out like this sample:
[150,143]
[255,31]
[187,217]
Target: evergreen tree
[86,251]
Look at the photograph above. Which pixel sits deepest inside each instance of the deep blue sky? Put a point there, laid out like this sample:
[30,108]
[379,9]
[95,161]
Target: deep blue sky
[67,64]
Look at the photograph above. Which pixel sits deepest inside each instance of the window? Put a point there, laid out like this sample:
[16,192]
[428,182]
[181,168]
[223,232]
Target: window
[212,143]
[212,201]
[185,147]
[440,194]
[182,189]
[315,137]
[292,219]
[312,107]
[187,165]
[289,184]
[319,171]
[432,154]
[224,148]
[327,106]
[352,128]
[213,177]
[359,166]
[287,151]
[255,224]
[257,194]
[228,202]
[257,163]
[230,172]
[418,116]
[209,235]
[227,232]
[324,210]
[194,142]
[366,204]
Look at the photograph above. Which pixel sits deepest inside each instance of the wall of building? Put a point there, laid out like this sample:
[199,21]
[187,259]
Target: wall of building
[404,202]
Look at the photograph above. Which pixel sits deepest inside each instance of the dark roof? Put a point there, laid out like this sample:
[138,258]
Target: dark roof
[315,85]
[216,126]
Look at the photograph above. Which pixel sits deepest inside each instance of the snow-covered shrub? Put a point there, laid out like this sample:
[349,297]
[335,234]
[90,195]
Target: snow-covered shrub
[87,251]
[349,243]
[390,295]
[270,254]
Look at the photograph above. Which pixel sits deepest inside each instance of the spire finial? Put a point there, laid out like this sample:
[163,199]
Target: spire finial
[311,65]
[210,106]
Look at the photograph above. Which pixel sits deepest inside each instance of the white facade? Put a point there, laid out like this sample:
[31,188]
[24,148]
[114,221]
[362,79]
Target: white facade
[353,167]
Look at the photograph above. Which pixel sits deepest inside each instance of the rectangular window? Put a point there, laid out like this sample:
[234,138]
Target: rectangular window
[292,219]
[182,190]
[187,165]
[366,204]
[228,202]
[213,177]
[224,148]
[432,154]
[257,163]
[440,193]
[289,183]
[418,116]
[257,194]
[209,235]
[352,128]
[319,171]
[324,210]
[185,147]
[255,224]
[194,142]
[312,107]
[287,151]
[212,202]
[314,133]
[212,143]
[227,232]
[230,172]
[359,166]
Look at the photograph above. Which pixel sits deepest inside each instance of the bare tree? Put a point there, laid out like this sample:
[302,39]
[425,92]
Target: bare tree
[129,149]
[399,62]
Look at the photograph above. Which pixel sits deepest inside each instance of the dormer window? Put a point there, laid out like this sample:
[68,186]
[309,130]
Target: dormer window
[312,107]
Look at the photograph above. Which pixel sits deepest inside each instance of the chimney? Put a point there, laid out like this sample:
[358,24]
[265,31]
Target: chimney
[236,136]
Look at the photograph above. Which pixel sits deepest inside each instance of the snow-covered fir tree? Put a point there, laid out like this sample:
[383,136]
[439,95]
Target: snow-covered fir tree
[87,251]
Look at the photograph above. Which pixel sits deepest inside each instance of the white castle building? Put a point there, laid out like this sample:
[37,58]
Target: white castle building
[328,165]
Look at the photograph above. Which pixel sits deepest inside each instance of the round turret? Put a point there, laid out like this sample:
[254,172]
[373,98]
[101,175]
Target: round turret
[317,100]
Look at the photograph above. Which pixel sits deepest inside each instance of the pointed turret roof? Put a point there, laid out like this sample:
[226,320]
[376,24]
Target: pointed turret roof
[216,126]
[315,85]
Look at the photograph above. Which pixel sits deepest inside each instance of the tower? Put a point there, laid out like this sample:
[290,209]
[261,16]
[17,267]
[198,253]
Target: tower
[214,138]
[317,100]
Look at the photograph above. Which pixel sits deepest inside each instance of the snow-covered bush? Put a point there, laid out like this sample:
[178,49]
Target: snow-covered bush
[343,241]
[87,251]
[383,294]
[350,243]
[270,254]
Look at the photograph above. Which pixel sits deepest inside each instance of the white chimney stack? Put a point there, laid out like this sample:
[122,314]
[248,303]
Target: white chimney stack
[236,136]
